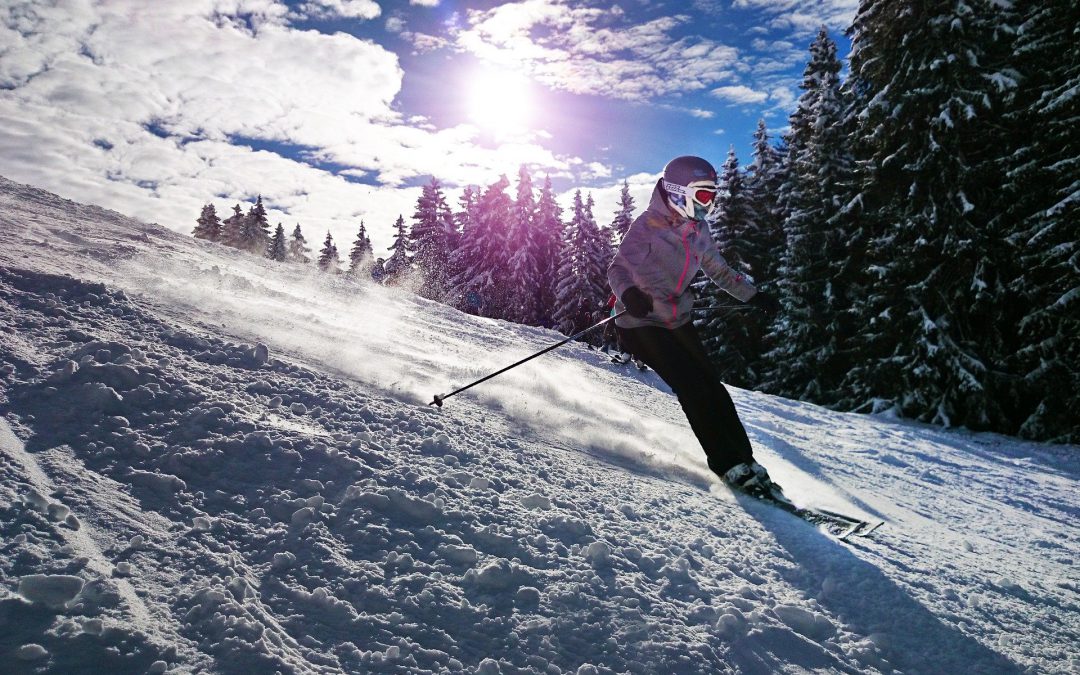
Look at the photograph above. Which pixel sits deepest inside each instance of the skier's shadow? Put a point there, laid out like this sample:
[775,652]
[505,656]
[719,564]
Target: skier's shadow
[907,634]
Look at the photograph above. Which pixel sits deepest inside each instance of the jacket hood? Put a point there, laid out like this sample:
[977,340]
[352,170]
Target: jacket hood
[658,203]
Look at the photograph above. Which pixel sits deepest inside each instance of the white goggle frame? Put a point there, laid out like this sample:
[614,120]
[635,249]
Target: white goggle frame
[689,194]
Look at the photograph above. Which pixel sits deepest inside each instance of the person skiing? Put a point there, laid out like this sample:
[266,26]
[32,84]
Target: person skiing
[650,275]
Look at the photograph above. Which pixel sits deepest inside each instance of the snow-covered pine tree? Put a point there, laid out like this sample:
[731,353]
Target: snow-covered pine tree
[930,324]
[549,237]
[582,291]
[432,241]
[232,228]
[277,250]
[208,225]
[733,338]
[298,248]
[808,361]
[624,217]
[255,229]
[329,260]
[607,240]
[762,181]
[361,257]
[466,215]
[1042,206]
[398,265]
[524,264]
[480,259]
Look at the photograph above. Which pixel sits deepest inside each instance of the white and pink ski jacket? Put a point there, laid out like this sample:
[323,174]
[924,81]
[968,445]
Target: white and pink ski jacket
[660,254]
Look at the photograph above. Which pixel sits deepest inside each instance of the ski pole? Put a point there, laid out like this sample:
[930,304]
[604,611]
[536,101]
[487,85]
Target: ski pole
[729,308]
[439,399]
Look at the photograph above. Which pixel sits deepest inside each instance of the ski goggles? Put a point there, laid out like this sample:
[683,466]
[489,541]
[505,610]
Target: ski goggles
[701,192]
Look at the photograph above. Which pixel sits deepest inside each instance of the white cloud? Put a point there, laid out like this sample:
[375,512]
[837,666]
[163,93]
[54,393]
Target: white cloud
[740,94]
[423,43]
[605,52]
[803,17]
[349,9]
[595,51]
[784,97]
[89,89]
[424,3]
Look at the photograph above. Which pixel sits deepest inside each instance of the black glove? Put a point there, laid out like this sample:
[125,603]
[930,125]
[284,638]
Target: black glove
[769,305]
[637,302]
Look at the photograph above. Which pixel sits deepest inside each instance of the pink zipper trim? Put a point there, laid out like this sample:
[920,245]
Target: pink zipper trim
[682,277]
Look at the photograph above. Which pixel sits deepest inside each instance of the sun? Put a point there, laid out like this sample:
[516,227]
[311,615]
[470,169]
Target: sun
[500,102]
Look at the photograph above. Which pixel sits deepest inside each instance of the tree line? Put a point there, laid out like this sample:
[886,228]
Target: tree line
[918,222]
[499,256]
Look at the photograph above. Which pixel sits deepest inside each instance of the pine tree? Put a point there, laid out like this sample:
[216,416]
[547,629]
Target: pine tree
[748,234]
[809,362]
[298,248]
[255,229]
[733,337]
[209,226]
[523,265]
[466,216]
[1042,207]
[624,217]
[548,237]
[433,240]
[480,259]
[582,291]
[763,180]
[232,228]
[329,259]
[607,243]
[277,249]
[398,265]
[361,257]
[929,322]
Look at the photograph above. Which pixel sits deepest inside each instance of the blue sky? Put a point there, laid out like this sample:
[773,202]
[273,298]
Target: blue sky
[338,110]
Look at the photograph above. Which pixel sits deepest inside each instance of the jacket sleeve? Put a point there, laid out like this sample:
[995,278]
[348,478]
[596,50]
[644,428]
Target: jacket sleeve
[734,283]
[633,250]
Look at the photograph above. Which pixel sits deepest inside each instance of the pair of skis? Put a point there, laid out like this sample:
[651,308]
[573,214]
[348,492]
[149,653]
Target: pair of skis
[839,525]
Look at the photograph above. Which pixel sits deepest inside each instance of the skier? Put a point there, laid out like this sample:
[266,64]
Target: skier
[650,275]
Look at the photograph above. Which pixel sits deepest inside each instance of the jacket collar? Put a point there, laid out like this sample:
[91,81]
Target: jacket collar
[661,212]
[658,206]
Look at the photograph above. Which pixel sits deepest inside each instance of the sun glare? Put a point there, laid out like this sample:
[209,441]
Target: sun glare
[500,102]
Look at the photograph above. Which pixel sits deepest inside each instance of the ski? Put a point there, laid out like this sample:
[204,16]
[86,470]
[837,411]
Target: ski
[839,525]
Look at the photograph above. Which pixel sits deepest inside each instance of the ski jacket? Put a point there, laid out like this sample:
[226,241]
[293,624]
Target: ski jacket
[660,254]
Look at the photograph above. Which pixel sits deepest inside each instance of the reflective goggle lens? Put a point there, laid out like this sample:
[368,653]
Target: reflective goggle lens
[703,196]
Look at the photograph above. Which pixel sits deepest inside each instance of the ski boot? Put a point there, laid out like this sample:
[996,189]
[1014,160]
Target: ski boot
[753,479]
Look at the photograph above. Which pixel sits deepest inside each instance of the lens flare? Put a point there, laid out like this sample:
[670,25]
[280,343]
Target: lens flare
[500,102]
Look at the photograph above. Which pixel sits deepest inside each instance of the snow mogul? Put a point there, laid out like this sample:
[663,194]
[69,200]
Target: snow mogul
[650,275]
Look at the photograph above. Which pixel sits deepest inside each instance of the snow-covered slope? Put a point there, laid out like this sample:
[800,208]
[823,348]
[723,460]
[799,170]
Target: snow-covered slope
[213,463]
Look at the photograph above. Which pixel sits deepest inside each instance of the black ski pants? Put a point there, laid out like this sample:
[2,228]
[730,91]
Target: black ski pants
[679,358]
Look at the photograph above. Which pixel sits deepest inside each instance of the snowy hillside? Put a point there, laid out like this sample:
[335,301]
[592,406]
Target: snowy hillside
[214,463]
